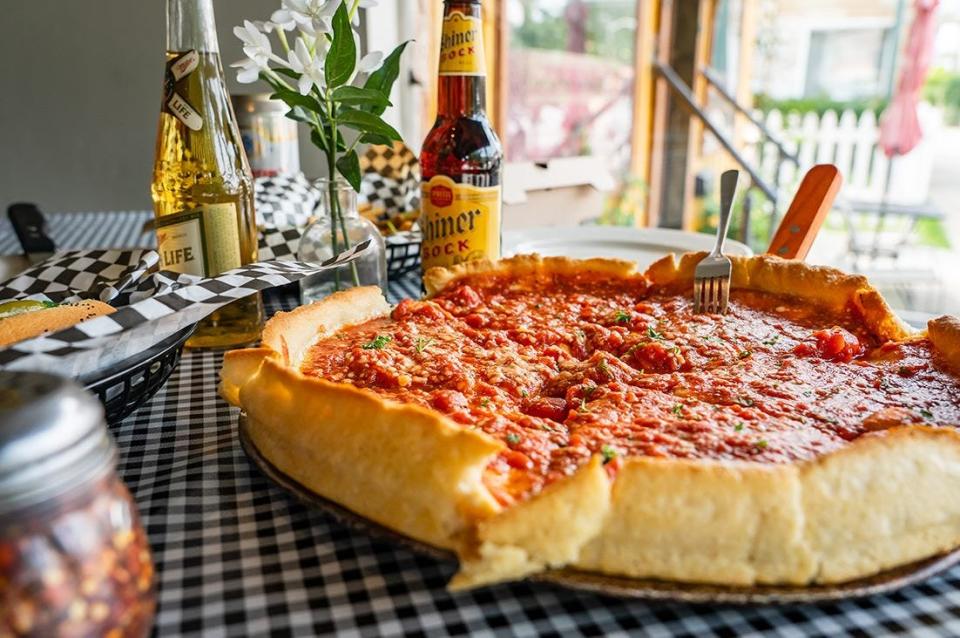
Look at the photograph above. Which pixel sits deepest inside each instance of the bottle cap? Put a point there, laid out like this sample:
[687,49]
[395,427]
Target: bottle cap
[53,437]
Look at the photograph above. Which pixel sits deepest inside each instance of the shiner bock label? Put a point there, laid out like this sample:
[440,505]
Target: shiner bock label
[460,222]
[461,46]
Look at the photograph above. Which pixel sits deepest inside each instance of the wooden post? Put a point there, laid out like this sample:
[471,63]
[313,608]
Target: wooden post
[641,139]
[703,45]
[744,92]
[661,105]
[432,13]
[679,48]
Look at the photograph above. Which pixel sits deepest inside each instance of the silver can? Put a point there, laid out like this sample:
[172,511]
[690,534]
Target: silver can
[269,137]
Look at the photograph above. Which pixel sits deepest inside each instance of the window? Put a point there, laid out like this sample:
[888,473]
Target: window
[571,79]
[848,64]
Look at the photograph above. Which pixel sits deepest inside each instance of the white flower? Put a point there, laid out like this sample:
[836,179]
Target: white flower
[309,16]
[256,45]
[370,62]
[265,25]
[315,28]
[309,66]
[363,4]
[249,71]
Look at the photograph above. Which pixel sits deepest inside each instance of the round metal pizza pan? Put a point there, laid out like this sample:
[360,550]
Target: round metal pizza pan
[641,589]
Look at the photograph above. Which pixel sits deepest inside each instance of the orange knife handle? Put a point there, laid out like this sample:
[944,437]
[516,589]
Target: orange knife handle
[806,214]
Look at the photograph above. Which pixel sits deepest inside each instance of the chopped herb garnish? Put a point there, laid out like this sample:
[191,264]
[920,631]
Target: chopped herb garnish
[738,426]
[762,443]
[423,343]
[484,402]
[581,335]
[379,343]
[523,393]
[544,426]
[587,393]
[653,334]
[746,402]
[772,340]
[604,368]
[927,414]
[744,354]
[675,350]
[609,453]
[622,316]
[677,408]
[513,439]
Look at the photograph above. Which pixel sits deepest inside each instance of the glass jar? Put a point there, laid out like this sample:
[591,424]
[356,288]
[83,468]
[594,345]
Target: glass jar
[74,559]
[338,218]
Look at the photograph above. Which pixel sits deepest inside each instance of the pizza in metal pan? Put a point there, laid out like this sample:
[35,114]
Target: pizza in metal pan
[536,413]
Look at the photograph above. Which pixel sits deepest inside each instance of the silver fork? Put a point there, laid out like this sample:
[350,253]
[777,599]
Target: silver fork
[711,279]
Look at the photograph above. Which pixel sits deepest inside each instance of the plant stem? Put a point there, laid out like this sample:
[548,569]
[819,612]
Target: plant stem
[334,212]
[282,36]
[336,215]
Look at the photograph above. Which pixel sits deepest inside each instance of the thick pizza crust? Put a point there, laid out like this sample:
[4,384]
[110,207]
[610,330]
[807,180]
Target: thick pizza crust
[436,279]
[824,286]
[944,333]
[886,499]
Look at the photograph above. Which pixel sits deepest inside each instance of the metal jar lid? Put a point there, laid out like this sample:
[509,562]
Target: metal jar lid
[53,438]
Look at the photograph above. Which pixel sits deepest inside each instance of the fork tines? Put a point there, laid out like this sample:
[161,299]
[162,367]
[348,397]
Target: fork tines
[711,285]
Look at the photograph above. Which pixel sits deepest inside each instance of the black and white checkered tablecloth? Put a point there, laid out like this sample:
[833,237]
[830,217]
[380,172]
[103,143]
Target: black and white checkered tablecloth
[236,556]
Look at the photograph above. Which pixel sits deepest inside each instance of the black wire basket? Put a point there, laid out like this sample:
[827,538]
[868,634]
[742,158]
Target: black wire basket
[403,255]
[134,381]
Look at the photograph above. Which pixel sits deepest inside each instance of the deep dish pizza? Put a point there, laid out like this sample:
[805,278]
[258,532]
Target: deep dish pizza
[541,413]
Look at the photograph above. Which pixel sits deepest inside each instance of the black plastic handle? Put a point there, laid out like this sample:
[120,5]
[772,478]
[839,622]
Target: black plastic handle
[31,228]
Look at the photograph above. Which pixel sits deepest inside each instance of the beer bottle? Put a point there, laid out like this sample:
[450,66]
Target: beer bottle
[202,188]
[461,160]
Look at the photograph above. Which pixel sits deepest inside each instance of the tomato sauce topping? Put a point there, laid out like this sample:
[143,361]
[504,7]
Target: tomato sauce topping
[562,367]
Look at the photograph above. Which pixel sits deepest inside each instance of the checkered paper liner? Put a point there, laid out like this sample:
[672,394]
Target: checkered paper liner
[107,340]
[285,201]
[89,274]
[391,180]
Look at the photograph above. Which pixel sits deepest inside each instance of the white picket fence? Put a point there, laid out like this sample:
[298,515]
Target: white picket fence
[851,144]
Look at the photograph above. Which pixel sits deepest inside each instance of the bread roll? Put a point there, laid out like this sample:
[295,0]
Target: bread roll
[34,323]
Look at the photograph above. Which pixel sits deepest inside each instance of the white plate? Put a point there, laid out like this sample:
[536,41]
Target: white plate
[640,245]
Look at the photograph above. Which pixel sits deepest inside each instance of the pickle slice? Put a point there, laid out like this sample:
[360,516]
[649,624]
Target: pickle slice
[20,306]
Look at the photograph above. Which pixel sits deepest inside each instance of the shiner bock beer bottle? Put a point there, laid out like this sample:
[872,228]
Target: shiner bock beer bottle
[461,158]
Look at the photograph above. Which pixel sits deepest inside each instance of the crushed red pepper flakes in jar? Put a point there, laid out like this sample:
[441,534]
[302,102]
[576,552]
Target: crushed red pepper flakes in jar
[74,558]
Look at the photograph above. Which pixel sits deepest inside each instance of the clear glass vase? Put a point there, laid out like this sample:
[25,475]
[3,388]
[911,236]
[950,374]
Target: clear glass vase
[339,227]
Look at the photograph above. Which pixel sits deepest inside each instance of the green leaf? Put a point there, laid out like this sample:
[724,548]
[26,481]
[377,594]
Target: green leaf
[292,98]
[373,138]
[366,123]
[349,166]
[383,78]
[299,115]
[342,56]
[290,73]
[380,342]
[347,94]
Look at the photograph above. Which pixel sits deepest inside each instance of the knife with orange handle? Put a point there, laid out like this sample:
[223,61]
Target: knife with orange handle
[806,214]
